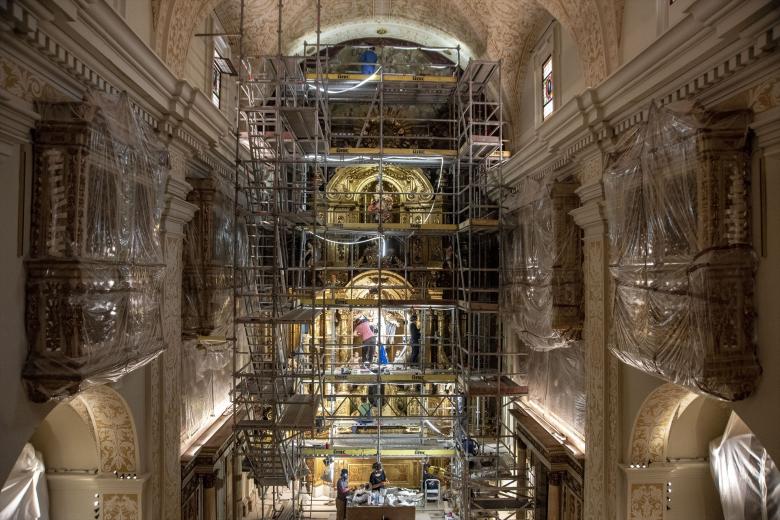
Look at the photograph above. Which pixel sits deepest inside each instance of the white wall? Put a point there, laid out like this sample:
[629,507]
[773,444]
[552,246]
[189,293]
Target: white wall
[572,81]
[701,422]
[198,58]
[66,441]
[525,120]
[18,416]
[138,14]
[759,411]
[639,28]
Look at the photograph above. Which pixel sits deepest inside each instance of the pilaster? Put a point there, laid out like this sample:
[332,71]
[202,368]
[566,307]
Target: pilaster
[601,426]
[165,390]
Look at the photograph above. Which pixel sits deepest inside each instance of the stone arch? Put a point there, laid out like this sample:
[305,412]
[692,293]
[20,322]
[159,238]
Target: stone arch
[595,25]
[398,287]
[112,427]
[653,423]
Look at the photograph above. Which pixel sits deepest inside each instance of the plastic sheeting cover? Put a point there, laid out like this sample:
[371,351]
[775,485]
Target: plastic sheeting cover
[24,495]
[680,259]
[207,298]
[555,362]
[746,476]
[95,277]
[207,381]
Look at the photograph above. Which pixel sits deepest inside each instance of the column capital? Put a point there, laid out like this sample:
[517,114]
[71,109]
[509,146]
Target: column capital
[177,210]
[767,128]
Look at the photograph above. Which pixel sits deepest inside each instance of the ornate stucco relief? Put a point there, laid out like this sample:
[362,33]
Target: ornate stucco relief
[646,502]
[121,507]
[654,422]
[24,83]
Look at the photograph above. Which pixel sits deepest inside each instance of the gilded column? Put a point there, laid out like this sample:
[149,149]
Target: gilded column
[602,436]
[425,343]
[441,331]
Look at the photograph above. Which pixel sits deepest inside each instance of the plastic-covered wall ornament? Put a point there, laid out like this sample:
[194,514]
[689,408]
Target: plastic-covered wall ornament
[543,295]
[207,304]
[681,260]
[207,376]
[95,274]
[746,477]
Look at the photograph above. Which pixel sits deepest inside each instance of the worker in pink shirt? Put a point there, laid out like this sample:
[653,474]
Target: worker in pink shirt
[364,329]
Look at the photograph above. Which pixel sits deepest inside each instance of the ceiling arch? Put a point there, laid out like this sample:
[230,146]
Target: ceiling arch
[492,29]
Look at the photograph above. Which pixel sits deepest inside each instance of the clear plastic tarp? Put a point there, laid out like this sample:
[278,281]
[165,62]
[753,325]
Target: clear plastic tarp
[207,303]
[542,299]
[680,256]
[747,478]
[96,270]
[206,384]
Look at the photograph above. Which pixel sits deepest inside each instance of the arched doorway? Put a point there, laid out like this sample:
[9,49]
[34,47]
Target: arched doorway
[89,446]
[667,461]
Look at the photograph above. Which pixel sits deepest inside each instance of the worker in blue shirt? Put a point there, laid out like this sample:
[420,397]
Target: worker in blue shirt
[367,58]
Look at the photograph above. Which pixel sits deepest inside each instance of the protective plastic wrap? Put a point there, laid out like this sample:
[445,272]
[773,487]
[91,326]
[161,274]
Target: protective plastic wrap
[94,284]
[677,207]
[543,295]
[206,384]
[747,478]
[24,495]
[207,296]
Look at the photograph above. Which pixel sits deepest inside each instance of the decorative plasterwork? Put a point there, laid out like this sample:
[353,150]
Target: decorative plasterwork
[121,507]
[650,436]
[112,426]
[646,502]
[25,84]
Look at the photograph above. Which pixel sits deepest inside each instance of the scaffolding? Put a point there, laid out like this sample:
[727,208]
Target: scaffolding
[418,238]
[487,470]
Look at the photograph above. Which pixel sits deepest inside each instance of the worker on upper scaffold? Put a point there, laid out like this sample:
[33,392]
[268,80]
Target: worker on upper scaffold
[368,59]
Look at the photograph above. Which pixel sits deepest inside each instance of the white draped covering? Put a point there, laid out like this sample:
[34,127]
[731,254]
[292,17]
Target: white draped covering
[24,495]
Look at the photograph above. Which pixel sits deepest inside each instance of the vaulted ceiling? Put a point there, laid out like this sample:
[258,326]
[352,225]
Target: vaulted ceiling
[491,29]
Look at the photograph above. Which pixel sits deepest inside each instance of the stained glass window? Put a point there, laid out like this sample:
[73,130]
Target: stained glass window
[216,80]
[548,103]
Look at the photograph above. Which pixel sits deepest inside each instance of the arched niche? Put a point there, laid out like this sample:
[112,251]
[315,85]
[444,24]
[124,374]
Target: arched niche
[365,286]
[90,449]
[653,423]
[408,195]
[668,450]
